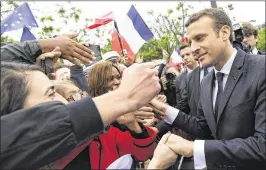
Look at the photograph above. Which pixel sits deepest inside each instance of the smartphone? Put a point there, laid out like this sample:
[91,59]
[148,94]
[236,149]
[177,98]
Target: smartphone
[96,49]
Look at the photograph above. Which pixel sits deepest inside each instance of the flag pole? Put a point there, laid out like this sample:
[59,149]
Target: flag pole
[119,39]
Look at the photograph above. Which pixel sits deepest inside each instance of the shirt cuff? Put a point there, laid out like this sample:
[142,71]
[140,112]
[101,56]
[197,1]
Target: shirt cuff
[199,155]
[171,114]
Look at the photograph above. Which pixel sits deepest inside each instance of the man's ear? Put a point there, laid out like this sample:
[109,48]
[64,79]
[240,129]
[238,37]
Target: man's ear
[225,32]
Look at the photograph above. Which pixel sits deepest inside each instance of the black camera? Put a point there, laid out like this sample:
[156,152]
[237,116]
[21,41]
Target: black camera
[238,39]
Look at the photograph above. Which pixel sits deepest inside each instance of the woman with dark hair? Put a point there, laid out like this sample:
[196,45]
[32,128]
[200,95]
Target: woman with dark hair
[102,78]
[24,86]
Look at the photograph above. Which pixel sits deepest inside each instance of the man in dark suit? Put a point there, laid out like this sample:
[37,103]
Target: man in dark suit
[189,90]
[232,101]
[190,64]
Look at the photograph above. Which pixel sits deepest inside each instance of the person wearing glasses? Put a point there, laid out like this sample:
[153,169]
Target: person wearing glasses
[69,91]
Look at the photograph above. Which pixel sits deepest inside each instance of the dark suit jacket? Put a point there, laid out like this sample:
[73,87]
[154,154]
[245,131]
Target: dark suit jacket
[240,128]
[162,126]
[180,84]
[188,90]
[190,93]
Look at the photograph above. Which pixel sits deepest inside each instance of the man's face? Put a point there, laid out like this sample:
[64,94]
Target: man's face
[250,40]
[188,57]
[206,44]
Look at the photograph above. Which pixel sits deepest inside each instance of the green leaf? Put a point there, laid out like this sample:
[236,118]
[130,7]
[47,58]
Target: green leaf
[261,43]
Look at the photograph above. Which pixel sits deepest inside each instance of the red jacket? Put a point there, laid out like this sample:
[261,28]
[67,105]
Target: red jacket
[110,146]
[115,143]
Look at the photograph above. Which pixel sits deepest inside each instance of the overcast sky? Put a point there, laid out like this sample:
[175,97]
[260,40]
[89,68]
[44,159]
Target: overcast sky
[243,10]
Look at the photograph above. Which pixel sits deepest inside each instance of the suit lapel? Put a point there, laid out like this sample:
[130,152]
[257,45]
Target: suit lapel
[232,80]
[207,106]
[197,86]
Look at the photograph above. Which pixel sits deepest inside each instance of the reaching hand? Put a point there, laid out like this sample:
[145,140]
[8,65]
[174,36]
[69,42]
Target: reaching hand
[162,107]
[180,146]
[163,156]
[71,50]
[140,84]
[144,113]
[161,98]
[55,54]
[126,119]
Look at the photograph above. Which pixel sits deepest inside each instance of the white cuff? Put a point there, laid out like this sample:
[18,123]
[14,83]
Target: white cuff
[199,155]
[171,114]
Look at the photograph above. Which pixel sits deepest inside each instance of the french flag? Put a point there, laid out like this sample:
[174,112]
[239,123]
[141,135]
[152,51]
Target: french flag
[102,20]
[133,31]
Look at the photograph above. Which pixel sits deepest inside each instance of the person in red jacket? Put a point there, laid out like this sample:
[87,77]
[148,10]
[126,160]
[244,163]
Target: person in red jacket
[125,136]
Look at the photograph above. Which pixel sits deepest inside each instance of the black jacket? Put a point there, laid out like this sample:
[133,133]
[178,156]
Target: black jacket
[25,52]
[77,76]
[38,136]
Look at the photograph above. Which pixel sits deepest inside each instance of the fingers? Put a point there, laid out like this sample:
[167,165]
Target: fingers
[81,58]
[56,49]
[150,65]
[141,121]
[84,49]
[71,36]
[69,58]
[145,109]
[144,115]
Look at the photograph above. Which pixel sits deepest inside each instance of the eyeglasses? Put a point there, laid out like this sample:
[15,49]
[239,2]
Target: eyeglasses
[77,96]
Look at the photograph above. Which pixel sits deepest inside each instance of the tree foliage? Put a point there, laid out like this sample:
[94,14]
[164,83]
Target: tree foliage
[168,29]
[261,43]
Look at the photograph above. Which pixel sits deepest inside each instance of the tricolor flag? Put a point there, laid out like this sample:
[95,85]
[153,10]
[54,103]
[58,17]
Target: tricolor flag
[134,30]
[116,46]
[175,58]
[102,20]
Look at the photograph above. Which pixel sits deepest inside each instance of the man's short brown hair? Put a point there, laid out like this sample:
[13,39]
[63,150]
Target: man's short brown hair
[249,29]
[218,15]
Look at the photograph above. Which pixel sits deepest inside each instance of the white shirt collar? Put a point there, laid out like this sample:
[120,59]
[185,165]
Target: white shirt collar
[227,67]
[188,70]
[255,50]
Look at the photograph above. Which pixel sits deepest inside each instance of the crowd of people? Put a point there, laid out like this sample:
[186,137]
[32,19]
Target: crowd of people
[113,114]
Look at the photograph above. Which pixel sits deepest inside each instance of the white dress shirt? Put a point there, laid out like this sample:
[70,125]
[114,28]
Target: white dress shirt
[255,50]
[171,114]
[189,70]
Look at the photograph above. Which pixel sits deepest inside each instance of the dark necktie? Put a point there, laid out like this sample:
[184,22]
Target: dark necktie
[219,78]
[205,71]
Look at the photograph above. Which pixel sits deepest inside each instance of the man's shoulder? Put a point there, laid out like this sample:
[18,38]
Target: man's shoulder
[257,58]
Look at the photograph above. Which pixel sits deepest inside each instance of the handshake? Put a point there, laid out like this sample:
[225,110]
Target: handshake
[169,148]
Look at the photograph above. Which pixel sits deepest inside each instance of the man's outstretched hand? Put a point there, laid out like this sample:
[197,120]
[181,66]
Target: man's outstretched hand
[70,49]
